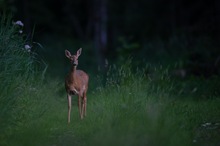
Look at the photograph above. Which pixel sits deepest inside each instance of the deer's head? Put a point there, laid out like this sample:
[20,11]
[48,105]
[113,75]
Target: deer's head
[73,58]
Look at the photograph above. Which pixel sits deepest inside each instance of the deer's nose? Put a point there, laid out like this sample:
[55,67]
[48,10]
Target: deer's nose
[75,63]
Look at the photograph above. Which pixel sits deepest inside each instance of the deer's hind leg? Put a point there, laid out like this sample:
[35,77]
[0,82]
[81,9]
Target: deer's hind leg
[84,104]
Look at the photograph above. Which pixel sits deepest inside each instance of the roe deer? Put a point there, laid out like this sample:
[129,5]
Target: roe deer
[76,83]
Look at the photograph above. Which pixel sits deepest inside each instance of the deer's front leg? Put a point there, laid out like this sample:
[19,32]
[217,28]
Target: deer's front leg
[69,106]
[80,106]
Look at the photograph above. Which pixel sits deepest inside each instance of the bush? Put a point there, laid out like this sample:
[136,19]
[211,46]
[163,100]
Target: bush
[19,70]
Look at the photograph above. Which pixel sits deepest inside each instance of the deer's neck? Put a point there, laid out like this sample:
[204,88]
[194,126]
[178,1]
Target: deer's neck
[73,70]
[73,73]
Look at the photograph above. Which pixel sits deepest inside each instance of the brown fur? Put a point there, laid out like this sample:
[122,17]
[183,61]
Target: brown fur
[76,83]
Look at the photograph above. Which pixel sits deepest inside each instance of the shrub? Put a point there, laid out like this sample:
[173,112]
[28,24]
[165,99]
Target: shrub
[19,70]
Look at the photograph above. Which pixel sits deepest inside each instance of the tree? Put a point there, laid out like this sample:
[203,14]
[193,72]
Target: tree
[100,30]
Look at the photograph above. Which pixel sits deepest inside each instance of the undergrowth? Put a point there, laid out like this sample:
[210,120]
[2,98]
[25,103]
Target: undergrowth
[20,69]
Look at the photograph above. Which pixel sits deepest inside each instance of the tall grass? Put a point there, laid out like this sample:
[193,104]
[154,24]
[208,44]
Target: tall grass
[133,108]
[19,70]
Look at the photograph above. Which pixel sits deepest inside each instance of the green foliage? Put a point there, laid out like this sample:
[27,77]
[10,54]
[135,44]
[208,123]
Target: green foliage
[126,48]
[19,70]
[15,58]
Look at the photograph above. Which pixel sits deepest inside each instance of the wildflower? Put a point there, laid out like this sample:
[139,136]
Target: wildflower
[19,23]
[27,48]
[206,124]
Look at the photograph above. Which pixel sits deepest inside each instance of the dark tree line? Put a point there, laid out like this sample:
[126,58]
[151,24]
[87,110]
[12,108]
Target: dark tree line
[140,18]
[103,21]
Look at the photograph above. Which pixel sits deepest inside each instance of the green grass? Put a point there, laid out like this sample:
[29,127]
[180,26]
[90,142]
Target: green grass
[126,115]
[118,114]
[144,106]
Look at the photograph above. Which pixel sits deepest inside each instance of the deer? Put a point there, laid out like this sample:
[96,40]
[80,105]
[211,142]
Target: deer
[76,83]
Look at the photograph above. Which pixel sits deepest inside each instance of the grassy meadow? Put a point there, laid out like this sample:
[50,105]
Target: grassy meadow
[136,106]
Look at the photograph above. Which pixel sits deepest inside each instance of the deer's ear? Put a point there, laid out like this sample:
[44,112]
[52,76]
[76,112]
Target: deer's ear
[67,53]
[79,52]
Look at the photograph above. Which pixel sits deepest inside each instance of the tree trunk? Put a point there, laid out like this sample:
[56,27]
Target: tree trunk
[100,31]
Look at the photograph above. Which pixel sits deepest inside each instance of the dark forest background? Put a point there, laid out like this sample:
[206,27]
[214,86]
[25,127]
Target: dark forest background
[155,31]
[153,66]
